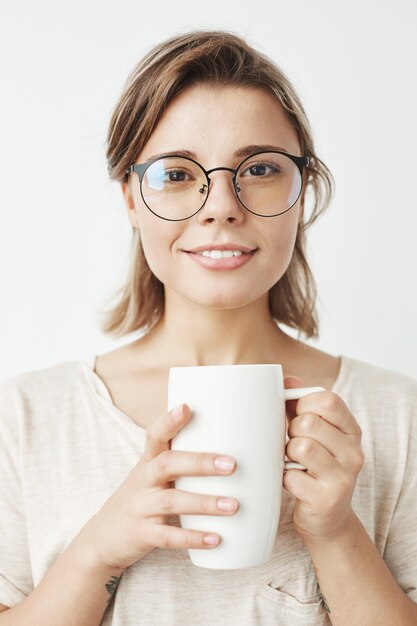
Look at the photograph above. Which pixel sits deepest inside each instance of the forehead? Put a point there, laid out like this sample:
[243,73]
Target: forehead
[212,121]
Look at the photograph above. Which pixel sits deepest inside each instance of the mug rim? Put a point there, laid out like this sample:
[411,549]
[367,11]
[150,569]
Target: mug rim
[181,367]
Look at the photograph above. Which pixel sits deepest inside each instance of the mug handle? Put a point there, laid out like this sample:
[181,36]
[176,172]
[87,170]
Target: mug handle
[296,394]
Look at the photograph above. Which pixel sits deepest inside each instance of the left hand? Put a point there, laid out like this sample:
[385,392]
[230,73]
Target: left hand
[325,438]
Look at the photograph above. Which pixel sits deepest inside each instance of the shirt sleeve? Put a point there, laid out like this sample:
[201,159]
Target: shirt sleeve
[15,571]
[400,552]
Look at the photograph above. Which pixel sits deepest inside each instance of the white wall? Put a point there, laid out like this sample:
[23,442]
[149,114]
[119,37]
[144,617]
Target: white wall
[64,234]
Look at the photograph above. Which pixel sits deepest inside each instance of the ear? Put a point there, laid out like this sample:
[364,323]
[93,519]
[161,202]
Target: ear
[130,203]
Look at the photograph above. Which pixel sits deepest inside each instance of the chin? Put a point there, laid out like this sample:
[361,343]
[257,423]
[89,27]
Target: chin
[224,301]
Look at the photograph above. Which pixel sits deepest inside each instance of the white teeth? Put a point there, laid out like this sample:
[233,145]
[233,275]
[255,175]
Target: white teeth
[220,254]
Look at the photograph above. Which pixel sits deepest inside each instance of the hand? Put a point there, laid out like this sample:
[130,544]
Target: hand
[132,522]
[325,438]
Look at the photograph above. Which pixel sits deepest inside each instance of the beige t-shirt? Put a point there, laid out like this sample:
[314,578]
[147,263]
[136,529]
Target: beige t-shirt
[65,448]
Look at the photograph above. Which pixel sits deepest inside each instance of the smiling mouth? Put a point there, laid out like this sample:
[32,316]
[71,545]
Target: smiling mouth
[220,257]
[222,263]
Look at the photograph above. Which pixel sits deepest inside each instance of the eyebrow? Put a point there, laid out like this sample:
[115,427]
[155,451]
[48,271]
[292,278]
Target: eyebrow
[241,152]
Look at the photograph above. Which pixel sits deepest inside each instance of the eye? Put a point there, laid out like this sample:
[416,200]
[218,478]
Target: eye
[175,176]
[261,169]
[169,178]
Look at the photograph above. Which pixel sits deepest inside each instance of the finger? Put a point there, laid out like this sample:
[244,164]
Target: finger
[332,408]
[171,464]
[318,461]
[178,502]
[162,430]
[343,447]
[302,486]
[173,537]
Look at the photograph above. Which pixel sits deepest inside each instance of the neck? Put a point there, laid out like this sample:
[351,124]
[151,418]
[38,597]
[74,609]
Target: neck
[197,335]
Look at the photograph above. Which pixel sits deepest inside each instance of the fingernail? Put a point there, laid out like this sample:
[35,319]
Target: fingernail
[226,504]
[224,463]
[177,412]
[211,540]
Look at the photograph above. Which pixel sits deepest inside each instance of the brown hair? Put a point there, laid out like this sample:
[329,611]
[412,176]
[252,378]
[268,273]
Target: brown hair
[220,58]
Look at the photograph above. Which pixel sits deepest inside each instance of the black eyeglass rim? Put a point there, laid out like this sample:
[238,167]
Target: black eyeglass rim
[140,168]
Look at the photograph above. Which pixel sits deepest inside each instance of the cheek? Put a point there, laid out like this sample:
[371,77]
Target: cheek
[282,243]
[157,237]
[158,242]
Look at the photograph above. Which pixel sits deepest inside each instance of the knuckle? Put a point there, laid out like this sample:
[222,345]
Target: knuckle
[329,401]
[163,460]
[188,541]
[206,503]
[300,447]
[342,487]
[291,447]
[168,498]
[346,485]
[164,537]
[201,462]
[305,446]
[359,459]
[355,457]
[308,423]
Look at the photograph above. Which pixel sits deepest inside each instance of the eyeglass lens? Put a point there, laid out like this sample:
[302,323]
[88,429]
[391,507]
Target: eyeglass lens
[266,184]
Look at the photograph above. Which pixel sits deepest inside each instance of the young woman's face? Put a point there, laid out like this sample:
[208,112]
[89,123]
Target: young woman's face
[214,124]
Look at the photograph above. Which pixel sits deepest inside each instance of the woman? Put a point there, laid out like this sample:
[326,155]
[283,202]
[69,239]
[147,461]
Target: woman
[213,151]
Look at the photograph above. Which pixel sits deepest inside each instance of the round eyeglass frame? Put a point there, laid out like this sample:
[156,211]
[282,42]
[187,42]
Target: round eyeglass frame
[140,168]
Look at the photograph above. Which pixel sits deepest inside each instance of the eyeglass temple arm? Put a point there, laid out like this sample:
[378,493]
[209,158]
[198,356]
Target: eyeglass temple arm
[138,168]
[300,162]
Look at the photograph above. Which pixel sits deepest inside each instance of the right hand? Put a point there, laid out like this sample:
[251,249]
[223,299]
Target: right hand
[132,522]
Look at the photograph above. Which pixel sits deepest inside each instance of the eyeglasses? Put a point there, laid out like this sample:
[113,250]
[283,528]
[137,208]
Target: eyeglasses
[175,188]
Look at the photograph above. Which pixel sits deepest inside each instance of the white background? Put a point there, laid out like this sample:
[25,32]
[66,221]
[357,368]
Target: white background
[64,231]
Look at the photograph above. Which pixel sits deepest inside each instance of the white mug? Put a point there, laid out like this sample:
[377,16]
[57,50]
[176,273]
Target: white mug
[238,411]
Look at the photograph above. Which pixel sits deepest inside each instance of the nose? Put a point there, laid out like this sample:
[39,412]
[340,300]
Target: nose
[221,201]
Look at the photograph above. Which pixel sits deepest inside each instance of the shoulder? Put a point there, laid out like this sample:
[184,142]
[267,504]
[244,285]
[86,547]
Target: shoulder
[33,392]
[380,398]
[39,381]
[373,381]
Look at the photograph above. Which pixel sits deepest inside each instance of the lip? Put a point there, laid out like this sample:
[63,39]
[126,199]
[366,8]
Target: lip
[221,264]
[222,246]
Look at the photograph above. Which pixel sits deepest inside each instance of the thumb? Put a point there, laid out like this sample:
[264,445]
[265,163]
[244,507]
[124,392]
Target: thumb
[292,382]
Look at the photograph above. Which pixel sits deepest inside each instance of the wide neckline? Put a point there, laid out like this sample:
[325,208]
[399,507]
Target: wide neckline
[125,423]
[101,395]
